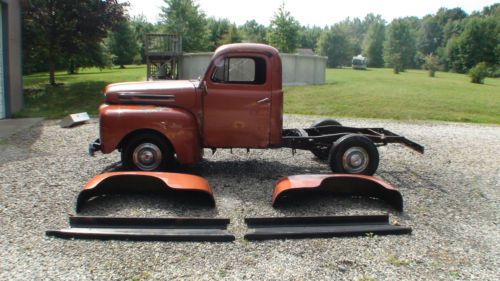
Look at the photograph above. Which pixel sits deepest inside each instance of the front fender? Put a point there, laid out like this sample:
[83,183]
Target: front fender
[193,187]
[179,126]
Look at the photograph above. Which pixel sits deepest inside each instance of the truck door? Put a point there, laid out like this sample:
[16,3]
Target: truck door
[237,102]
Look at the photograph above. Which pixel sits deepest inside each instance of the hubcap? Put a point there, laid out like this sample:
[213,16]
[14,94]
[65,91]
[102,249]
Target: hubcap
[147,156]
[355,160]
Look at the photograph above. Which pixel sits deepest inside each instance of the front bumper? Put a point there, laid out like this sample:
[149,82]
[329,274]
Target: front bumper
[94,146]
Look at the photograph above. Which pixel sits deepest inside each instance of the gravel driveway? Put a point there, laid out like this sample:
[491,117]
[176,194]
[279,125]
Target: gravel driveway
[452,201]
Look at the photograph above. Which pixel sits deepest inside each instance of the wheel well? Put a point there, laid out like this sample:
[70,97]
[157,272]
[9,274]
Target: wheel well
[132,134]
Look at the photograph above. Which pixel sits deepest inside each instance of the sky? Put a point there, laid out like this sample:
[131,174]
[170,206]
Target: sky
[310,12]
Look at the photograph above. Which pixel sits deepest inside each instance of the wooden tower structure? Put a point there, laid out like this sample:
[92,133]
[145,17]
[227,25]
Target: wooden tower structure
[163,54]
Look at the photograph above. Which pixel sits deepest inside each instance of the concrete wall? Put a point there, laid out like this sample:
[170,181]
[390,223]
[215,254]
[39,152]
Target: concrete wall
[194,65]
[303,69]
[297,69]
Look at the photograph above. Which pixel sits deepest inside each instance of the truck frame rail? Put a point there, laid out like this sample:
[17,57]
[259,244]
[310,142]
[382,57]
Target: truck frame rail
[306,139]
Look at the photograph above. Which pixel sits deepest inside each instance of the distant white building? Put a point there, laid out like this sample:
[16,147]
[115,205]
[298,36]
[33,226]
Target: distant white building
[359,62]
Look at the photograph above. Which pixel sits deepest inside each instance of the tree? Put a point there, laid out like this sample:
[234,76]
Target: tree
[309,36]
[284,31]
[430,36]
[479,42]
[67,29]
[370,19]
[335,44]
[450,20]
[34,53]
[254,32]
[233,36]
[438,31]
[452,54]
[184,18]
[399,48]
[97,56]
[355,31]
[140,26]
[444,15]
[373,44]
[491,11]
[222,31]
[122,44]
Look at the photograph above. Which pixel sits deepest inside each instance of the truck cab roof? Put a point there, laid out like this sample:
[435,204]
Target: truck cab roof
[246,48]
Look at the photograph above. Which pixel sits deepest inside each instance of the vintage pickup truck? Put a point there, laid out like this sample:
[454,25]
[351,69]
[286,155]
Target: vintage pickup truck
[238,103]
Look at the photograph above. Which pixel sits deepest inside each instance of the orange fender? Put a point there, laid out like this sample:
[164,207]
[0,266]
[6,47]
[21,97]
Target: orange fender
[337,184]
[195,187]
[179,126]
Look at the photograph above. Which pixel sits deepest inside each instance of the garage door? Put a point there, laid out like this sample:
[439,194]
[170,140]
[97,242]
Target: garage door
[2,88]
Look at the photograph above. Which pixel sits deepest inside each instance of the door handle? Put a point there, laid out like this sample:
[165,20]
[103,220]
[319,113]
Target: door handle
[263,101]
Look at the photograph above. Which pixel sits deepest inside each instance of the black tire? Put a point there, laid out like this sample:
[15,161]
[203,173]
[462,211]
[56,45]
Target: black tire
[354,154]
[326,122]
[322,152]
[146,144]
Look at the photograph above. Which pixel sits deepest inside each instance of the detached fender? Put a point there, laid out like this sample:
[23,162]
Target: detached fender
[337,184]
[179,126]
[194,188]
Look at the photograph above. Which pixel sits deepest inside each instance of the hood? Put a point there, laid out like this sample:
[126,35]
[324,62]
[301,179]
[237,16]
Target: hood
[172,92]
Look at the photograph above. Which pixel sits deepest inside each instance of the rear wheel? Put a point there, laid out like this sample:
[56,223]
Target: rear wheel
[322,151]
[146,152]
[354,154]
[326,122]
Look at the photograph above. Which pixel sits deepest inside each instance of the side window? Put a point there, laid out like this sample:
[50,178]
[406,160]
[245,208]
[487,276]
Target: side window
[240,70]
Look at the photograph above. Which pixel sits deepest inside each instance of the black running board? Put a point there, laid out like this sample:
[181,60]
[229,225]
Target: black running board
[146,229]
[320,227]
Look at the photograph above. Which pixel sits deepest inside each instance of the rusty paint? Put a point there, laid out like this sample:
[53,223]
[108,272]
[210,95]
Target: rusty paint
[123,182]
[338,184]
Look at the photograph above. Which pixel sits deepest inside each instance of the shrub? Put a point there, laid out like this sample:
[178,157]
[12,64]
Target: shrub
[478,73]
[431,64]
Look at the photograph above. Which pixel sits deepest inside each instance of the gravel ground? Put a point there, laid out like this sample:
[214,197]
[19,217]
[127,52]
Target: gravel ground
[452,201]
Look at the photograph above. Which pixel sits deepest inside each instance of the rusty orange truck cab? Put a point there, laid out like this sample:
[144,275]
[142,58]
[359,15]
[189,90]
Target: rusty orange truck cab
[238,103]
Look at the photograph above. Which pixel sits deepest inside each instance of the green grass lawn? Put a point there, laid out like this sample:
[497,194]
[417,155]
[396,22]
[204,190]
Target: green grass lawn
[412,95]
[80,92]
[375,93]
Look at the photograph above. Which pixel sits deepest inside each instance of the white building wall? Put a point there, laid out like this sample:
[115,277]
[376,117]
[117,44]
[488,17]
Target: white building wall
[194,65]
[297,69]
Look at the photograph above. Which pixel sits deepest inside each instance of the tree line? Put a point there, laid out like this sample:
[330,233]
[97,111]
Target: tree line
[70,35]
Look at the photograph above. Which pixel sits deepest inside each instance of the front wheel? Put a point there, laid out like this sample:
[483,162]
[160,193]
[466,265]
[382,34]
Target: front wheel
[354,154]
[146,152]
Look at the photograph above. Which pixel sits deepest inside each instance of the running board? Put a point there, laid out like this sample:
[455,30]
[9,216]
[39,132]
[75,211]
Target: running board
[146,229]
[320,227]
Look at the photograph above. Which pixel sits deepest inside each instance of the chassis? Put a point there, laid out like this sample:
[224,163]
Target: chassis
[324,136]
[347,149]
